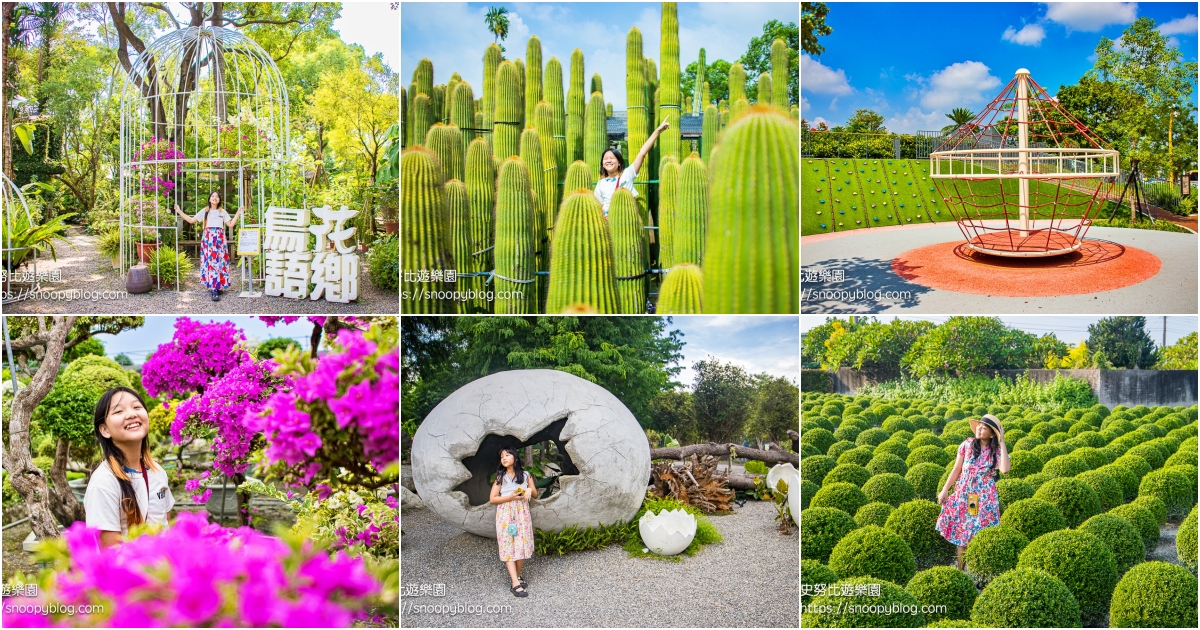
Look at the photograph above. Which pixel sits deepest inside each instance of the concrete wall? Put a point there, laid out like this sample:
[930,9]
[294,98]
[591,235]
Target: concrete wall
[1131,388]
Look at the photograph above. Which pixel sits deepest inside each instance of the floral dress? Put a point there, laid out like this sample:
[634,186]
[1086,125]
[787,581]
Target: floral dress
[214,259]
[955,523]
[514,528]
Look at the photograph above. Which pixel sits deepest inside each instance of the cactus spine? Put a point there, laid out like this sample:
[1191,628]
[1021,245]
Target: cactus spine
[481,192]
[701,98]
[737,82]
[629,251]
[579,177]
[533,77]
[543,121]
[458,214]
[422,118]
[437,102]
[681,291]
[446,142]
[779,74]
[668,198]
[752,250]
[462,112]
[708,135]
[597,84]
[554,95]
[581,258]
[706,97]
[423,77]
[691,212]
[669,106]
[508,111]
[763,89]
[595,132]
[739,106]
[425,238]
[575,109]
[531,154]
[514,251]
[491,64]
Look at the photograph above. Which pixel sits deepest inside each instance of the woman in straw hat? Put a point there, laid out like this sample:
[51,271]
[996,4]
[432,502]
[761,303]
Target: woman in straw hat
[974,504]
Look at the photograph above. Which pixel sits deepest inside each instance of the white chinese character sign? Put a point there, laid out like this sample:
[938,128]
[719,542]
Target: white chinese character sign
[329,270]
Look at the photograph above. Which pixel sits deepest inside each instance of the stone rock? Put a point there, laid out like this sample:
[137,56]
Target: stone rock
[406,478]
[409,500]
[607,457]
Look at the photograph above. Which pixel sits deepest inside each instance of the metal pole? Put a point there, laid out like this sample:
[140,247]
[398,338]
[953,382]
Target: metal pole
[1022,145]
[1164,344]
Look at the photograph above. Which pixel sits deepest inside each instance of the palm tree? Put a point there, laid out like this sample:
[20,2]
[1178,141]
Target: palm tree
[497,23]
[960,116]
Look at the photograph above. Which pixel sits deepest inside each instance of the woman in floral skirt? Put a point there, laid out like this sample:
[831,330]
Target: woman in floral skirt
[514,527]
[214,254]
[974,504]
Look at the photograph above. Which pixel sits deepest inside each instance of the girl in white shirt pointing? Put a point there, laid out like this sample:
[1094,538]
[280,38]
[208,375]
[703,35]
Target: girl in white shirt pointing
[214,254]
[613,173]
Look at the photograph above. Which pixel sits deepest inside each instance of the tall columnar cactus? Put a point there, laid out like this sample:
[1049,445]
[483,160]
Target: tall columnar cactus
[516,261]
[629,251]
[412,94]
[597,83]
[739,106]
[437,102]
[481,191]
[446,142]
[669,105]
[575,99]
[581,258]
[533,77]
[681,291]
[426,242]
[423,77]
[779,74]
[404,122]
[691,212]
[520,91]
[752,250]
[531,154]
[462,112]
[579,177]
[595,133]
[764,89]
[652,121]
[491,64]
[668,199]
[701,100]
[422,118]
[553,91]
[635,100]
[737,82]
[710,128]
[706,95]
[458,215]
[508,111]
[543,121]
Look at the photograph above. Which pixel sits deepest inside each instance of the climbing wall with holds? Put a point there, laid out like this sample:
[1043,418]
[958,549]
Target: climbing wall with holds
[839,194]
[878,198]
[816,200]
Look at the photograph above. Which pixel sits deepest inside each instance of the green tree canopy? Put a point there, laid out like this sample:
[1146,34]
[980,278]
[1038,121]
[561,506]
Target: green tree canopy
[1124,341]
[91,345]
[875,349]
[757,59]
[671,412]
[776,409]
[812,25]
[1180,355]
[964,345]
[716,74]
[866,121]
[722,398]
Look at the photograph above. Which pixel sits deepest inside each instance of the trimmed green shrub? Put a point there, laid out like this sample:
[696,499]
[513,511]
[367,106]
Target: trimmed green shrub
[924,479]
[844,496]
[943,586]
[864,611]
[1142,519]
[931,453]
[892,446]
[1047,452]
[1173,487]
[993,551]
[950,623]
[1107,489]
[1023,464]
[1033,517]
[808,490]
[1148,452]
[1154,594]
[821,529]
[889,488]
[916,522]
[839,447]
[1010,491]
[816,467]
[1028,442]
[897,423]
[1081,561]
[860,455]
[1134,464]
[874,513]
[1065,466]
[1125,478]
[872,437]
[850,428]
[850,473]
[1182,456]
[925,439]
[811,574]
[1037,479]
[1026,598]
[873,551]
[815,422]
[808,451]
[1185,540]
[822,439]
[1075,500]
[1120,536]
[886,463]
[1156,506]
[1093,457]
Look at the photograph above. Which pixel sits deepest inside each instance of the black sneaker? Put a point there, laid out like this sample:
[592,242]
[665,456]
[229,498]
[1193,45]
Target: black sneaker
[215,297]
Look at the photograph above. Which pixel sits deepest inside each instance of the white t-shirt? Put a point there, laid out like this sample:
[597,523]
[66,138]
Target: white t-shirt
[607,187]
[213,219]
[102,501]
[508,485]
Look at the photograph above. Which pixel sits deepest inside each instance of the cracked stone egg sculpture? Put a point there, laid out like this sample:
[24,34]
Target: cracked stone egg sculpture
[667,533]
[606,458]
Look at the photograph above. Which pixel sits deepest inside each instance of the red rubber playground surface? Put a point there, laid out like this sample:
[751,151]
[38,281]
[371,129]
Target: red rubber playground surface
[1097,266]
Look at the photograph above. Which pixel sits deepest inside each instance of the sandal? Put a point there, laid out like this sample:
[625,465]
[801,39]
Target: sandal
[521,580]
[518,593]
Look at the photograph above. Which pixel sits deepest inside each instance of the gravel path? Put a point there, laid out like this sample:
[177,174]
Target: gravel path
[1165,551]
[752,579]
[86,272]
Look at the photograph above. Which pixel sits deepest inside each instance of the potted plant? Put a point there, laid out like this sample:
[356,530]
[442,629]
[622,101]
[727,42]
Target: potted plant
[109,244]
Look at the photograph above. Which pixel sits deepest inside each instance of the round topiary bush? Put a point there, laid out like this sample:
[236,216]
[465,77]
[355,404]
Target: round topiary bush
[816,467]
[812,574]
[1154,594]
[1033,517]
[1026,598]
[1120,536]
[1182,456]
[851,428]
[1075,500]
[820,439]
[1023,464]
[860,455]
[1173,487]
[840,447]
[1148,452]
[1185,540]
[1093,456]
[821,529]
[1010,491]
[1065,466]
[916,522]
[848,473]
[993,551]
[1124,478]
[874,513]
[1047,452]
[808,490]
[889,488]
[924,479]
[947,587]
[872,437]
[1156,507]
[886,463]
[925,439]
[898,423]
[1081,561]
[928,454]
[873,551]
[1142,519]
[893,607]
[844,496]
[1107,489]
[1134,464]
[1037,479]
[1028,442]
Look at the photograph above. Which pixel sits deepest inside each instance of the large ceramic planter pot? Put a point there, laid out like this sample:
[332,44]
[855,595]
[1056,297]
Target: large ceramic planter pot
[223,491]
[145,251]
[391,227]
[667,533]
[138,279]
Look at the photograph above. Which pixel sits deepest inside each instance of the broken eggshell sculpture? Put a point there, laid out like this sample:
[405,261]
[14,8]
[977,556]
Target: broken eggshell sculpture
[668,532]
[457,446]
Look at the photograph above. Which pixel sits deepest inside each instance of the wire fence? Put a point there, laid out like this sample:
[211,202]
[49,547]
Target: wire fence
[846,144]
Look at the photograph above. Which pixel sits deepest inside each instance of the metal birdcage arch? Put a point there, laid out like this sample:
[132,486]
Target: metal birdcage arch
[16,209]
[203,109]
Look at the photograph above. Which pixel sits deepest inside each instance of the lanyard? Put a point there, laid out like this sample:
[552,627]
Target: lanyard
[145,477]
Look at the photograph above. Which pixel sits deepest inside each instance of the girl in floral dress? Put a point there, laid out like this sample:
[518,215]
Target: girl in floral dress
[214,254]
[974,504]
[514,527]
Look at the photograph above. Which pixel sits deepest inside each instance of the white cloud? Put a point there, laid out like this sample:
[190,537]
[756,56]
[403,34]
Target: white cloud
[958,85]
[821,79]
[1091,16]
[1185,25]
[916,120]
[805,106]
[1172,42]
[833,104]
[1030,35]
[816,122]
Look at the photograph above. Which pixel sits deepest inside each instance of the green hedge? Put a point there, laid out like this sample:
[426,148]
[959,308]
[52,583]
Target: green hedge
[1075,500]
[1173,486]
[1120,536]
[1033,517]
[994,550]
[1154,594]
[1081,561]
[821,529]
[916,522]
[1026,598]
[943,586]
[889,488]
[813,573]
[816,381]
[873,551]
[1185,540]
[875,513]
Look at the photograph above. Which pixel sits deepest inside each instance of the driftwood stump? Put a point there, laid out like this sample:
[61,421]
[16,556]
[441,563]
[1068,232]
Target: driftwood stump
[696,482]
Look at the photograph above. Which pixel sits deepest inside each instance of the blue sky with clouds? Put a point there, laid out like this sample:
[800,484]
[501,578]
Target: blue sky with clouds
[1068,328]
[454,37]
[914,62]
[753,342]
